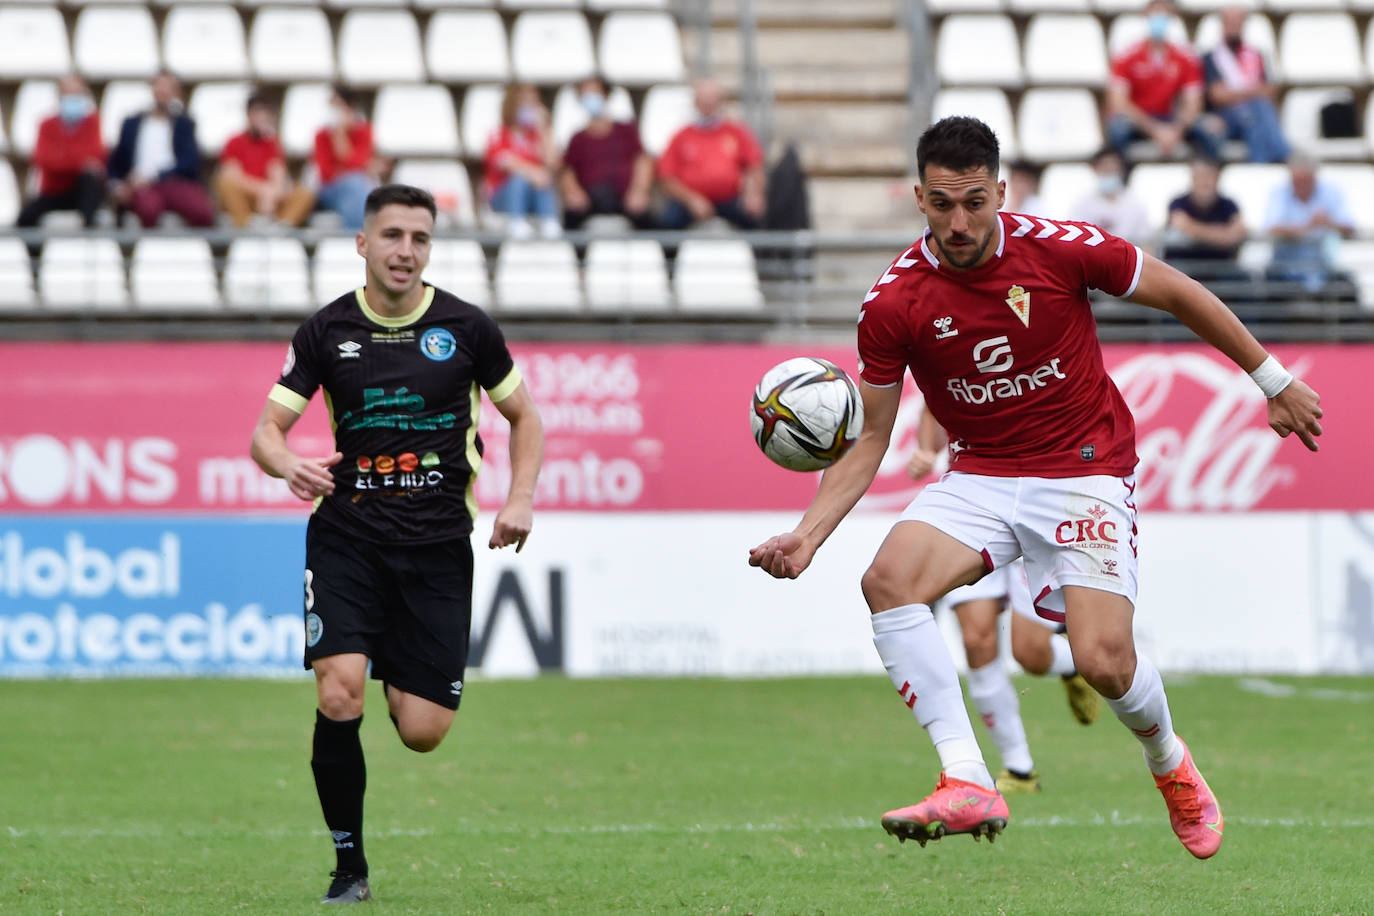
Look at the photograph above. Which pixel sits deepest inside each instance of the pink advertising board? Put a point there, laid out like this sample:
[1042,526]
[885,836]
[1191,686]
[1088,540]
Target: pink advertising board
[158,428]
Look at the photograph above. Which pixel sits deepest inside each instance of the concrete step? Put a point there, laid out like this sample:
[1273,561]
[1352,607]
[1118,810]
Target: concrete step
[861,138]
[863,205]
[811,12]
[860,63]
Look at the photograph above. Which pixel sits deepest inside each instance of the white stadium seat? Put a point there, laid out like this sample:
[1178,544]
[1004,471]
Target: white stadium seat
[1066,49]
[268,276]
[1301,118]
[446,4]
[100,57]
[415,121]
[350,4]
[1356,182]
[121,99]
[16,273]
[551,47]
[1258,33]
[481,114]
[33,102]
[1321,48]
[448,181]
[1111,7]
[460,267]
[304,110]
[380,46]
[1250,185]
[626,275]
[220,112]
[467,46]
[1199,6]
[82,274]
[1058,124]
[336,268]
[204,42]
[667,109]
[4,140]
[605,5]
[1156,184]
[998,60]
[537,276]
[291,43]
[640,48]
[9,194]
[569,116]
[173,274]
[1129,29]
[942,7]
[713,275]
[33,42]
[1026,7]
[1062,186]
[540,4]
[1288,6]
[1369,48]
[988,105]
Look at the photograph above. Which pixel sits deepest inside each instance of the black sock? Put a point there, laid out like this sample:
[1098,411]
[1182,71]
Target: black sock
[340,779]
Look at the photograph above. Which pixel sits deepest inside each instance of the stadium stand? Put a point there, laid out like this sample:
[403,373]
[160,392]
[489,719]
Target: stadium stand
[538,276]
[379,46]
[218,110]
[626,275]
[33,42]
[415,121]
[269,273]
[134,55]
[467,46]
[175,274]
[549,47]
[290,43]
[202,42]
[17,294]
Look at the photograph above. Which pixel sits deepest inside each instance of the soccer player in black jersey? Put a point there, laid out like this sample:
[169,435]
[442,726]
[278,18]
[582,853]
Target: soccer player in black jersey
[388,577]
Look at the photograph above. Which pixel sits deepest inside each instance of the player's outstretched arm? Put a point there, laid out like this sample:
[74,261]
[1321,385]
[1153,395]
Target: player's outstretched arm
[1293,406]
[307,478]
[786,555]
[516,518]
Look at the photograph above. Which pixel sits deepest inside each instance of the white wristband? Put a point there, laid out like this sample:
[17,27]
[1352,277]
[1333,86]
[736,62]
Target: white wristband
[1271,377]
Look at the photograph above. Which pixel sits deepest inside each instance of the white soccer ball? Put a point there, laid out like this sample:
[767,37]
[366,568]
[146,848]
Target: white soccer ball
[806,413]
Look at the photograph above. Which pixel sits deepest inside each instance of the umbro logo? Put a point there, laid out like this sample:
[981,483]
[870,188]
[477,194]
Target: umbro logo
[457,690]
[349,350]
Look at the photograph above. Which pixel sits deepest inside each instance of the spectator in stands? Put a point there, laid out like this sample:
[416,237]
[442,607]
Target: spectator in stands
[70,158]
[521,163]
[1205,229]
[253,180]
[1307,218]
[1156,93]
[713,167]
[1241,93]
[1023,187]
[1111,204]
[344,159]
[605,169]
[155,166]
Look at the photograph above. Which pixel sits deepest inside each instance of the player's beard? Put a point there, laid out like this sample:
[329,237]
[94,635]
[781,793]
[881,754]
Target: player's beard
[972,259]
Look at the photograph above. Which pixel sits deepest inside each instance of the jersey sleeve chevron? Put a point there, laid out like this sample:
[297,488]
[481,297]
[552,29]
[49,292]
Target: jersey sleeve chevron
[1107,262]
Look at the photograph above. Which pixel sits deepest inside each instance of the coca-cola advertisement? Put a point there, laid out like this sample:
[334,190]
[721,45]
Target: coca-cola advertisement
[159,427]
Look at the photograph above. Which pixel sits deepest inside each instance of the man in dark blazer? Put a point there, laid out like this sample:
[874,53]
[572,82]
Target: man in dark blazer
[155,166]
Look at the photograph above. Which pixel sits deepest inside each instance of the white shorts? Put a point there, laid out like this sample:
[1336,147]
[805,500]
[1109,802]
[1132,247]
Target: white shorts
[1070,530]
[1007,582]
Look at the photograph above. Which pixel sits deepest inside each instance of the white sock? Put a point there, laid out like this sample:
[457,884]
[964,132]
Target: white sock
[913,650]
[1144,709]
[994,696]
[1062,662]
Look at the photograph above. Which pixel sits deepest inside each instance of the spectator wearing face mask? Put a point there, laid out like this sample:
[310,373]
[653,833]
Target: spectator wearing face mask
[605,169]
[70,158]
[713,167]
[520,165]
[155,166]
[344,160]
[1240,91]
[1111,205]
[253,180]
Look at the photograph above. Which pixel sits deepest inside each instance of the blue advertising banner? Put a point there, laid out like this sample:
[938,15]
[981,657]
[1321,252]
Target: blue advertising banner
[102,595]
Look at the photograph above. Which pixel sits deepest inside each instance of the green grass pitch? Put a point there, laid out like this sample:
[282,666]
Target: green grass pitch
[691,796]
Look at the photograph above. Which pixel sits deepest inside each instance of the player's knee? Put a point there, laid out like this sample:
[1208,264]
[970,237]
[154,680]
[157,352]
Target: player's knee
[1106,664]
[885,585]
[980,645]
[340,700]
[421,739]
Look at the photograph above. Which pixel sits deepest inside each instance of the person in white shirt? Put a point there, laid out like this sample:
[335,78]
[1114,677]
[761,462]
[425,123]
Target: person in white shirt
[155,166]
[1111,205]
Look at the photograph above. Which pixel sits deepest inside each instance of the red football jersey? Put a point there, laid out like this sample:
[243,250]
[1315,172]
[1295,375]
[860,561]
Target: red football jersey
[1007,354]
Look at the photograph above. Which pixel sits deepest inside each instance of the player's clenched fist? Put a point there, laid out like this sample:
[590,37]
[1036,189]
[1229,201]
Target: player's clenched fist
[782,557]
[513,525]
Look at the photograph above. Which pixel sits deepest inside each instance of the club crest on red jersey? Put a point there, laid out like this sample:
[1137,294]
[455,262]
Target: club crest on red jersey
[1019,300]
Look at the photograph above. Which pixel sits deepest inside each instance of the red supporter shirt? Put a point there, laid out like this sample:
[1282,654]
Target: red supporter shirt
[525,142]
[1156,78]
[1007,354]
[60,153]
[253,154]
[711,160]
[604,160]
[331,166]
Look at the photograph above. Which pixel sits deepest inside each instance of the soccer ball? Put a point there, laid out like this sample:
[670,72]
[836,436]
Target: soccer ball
[806,413]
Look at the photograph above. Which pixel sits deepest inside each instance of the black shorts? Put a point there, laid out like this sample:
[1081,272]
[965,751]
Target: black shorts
[407,607]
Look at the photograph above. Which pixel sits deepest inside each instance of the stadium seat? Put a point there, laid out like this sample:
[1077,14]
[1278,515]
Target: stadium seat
[1058,124]
[16,273]
[481,114]
[448,181]
[98,57]
[415,121]
[606,5]
[1301,118]
[1369,47]
[537,276]
[82,274]
[460,267]
[4,138]
[1356,181]
[1250,185]
[467,46]
[1063,185]
[220,111]
[626,275]
[1065,49]
[336,268]
[33,102]
[10,198]
[173,274]
[350,4]
[1156,184]
[999,53]
[380,46]
[121,99]
[446,4]
[988,105]
[1112,7]
[287,44]
[1129,29]
[943,7]
[304,110]
[204,42]
[1288,6]
[1255,255]
[33,43]
[1028,7]
[540,4]
[1199,6]
[1258,33]
[640,48]
[1321,48]
[667,109]
[268,275]
[569,116]
[714,275]
[551,47]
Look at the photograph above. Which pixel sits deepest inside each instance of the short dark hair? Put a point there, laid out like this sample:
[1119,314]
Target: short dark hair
[404,194]
[959,143]
[346,95]
[1027,167]
[1105,152]
[1212,162]
[257,99]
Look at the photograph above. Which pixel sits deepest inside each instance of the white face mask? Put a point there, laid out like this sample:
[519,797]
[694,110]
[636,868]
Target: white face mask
[1109,185]
[527,116]
[594,103]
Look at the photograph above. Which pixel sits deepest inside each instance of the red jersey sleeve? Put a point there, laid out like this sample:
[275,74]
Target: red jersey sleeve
[884,334]
[750,153]
[1108,263]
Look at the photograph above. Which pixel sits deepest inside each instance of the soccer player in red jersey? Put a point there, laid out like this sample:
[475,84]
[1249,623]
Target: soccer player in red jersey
[990,313]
